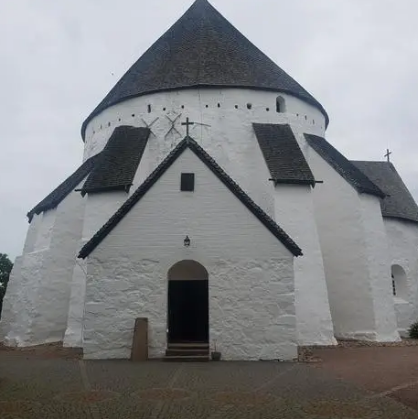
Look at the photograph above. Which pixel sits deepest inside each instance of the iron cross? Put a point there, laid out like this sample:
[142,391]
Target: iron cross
[187,124]
[387,155]
[149,126]
[173,124]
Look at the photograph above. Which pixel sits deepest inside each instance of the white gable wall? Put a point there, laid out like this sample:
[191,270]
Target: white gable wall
[403,247]
[252,313]
[295,214]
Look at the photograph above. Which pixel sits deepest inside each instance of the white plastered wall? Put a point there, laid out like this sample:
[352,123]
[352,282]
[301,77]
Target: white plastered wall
[99,207]
[225,132]
[37,301]
[379,269]
[251,284]
[403,247]
[294,211]
[353,257]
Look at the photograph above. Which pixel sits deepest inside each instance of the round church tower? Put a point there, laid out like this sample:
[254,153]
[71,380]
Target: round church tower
[205,70]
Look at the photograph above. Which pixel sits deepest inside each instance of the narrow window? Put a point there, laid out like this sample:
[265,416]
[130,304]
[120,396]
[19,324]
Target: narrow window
[399,283]
[393,286]
[187,182]
[149,108]
[280,105]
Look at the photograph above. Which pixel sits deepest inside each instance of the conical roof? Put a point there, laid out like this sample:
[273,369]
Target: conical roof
[202,49]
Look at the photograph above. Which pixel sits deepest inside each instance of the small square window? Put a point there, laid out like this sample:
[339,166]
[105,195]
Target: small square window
[187,182]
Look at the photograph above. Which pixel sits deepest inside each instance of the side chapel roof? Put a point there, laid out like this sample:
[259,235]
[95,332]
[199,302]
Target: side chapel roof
[61,192]
[354,176]
[202,49]
[119,160]
[189,143]
[282,154]
[398,202]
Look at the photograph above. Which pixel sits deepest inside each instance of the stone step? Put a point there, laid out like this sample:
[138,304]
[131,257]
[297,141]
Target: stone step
[187,352]
[190,358]
[188,346]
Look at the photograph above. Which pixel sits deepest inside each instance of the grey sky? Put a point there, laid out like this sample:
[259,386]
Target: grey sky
[359,58]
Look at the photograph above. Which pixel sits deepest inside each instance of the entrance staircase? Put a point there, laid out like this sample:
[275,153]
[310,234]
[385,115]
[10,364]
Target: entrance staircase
[187,352]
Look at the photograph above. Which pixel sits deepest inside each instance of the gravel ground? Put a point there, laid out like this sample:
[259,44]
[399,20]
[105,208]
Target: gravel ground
[51,350]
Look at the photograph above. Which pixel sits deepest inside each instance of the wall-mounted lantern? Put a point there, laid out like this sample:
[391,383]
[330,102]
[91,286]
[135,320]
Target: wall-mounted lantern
[187,242]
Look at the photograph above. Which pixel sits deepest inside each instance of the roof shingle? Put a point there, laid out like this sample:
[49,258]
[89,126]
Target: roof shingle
[118,161]
[399,202]
[202,49]
[343,166]
[282,154]
[60,193]
[222,176]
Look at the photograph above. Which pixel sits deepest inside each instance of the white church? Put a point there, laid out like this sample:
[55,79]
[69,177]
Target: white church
[210,202]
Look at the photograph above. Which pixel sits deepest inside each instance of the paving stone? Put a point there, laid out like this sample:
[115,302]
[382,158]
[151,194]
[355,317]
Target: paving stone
[61,388]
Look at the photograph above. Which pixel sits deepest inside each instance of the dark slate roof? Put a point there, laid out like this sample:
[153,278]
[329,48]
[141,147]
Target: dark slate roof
[399,202]
[58,194]
[189,143]
[283,155]
[119,160]
[343,166]
[202,49]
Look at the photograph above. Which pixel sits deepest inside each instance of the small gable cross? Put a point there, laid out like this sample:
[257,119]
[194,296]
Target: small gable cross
[387,155]
[187,124]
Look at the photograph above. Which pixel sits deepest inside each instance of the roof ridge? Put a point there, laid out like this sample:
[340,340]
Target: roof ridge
[189,142]
[399,203]
[53,199]
[343,166]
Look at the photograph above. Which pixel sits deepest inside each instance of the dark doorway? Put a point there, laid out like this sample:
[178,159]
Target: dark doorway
[188,311]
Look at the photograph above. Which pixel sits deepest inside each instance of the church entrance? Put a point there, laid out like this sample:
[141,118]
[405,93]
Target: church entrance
[188,303]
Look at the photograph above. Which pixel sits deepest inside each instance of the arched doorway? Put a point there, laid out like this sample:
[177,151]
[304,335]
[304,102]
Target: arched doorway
[188,303]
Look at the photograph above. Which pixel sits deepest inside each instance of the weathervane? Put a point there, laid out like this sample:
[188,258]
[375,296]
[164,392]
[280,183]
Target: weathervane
[387,155]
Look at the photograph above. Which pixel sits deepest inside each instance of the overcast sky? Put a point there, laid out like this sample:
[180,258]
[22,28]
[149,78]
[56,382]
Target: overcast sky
[58,59]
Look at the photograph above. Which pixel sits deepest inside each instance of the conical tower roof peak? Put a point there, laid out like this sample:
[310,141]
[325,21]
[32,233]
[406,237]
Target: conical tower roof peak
[202,49]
